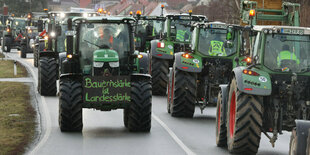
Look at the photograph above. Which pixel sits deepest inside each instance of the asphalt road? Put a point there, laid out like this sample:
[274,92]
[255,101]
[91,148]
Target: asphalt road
[104,132]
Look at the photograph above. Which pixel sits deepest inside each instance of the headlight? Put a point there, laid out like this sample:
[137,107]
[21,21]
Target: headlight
[53,34]
[85,15]
[98,64]
[62,15]
[114,64]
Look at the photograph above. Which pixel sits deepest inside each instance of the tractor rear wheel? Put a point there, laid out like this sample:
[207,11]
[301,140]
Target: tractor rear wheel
[47,76]
[221,134]
[308,143]
[35,58]
[70,106]
[169,91]
[183,93]
[125,113]
[23,52]
[140,109]
[5,48]
[160,69]
[244,121]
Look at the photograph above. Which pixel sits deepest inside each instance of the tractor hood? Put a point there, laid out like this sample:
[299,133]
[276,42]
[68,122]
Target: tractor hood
[105,55]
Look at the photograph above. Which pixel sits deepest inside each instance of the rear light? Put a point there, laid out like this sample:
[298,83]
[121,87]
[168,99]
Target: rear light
[187,56]
[159,55]
[160,45]
[252,13]
[248,89]
[8,30]
[69,56]
[250,72]
[184,67]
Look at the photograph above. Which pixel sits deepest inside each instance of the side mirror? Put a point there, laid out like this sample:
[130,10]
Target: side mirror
[228,44]
[58,30]
[40,25]
[256,58]
[173,31]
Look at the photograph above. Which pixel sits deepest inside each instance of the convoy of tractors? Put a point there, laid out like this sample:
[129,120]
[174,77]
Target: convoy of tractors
[257,73]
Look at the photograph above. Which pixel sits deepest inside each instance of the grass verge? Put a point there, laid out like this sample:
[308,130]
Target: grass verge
[17,118]
[7,69]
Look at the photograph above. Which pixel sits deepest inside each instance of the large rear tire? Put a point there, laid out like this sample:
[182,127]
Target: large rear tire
[160,69]
[5,47]
[140,109]
[70,106]
[35,57]
[308,143]
[47,76]
[169,84]
[183,93]
[244,121]
[221,134]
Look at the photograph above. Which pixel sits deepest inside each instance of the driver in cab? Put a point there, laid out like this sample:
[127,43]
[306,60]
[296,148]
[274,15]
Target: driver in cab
[286,54]
[217,46]
[105,39]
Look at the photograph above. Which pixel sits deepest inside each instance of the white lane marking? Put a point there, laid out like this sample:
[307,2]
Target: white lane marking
[44,108]
[174,136]
[48,127]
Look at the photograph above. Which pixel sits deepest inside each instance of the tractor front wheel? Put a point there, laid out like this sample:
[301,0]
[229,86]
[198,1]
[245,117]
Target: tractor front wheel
[159,71]
[47,76]
[221,137]
[140,109]
[183,93]
[70,106]
[23,52]
[244,121]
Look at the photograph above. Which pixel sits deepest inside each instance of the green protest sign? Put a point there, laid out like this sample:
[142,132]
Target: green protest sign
[106,90]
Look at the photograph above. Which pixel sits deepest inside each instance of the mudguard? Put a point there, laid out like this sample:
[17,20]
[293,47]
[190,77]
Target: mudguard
[48,53]
[250,84]
[8,40]
[144,63]
[162,53]
[302,128]
[188,64]
[140,77]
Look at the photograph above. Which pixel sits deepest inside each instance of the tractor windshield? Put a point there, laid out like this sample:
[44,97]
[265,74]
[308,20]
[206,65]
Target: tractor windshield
[181,30]
[95,36]
[149,27]
[287,53]
[62,38]
[211,42]
[19,23]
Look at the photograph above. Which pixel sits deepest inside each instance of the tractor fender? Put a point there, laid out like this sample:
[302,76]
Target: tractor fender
[164,53]
[48,53]
[144,63]
[140,77]
[188,64]
[225,93]
[302,129]
[250,84]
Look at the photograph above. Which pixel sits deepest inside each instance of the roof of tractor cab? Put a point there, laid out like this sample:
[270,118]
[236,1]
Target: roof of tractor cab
[186,17]
[283,29]
[104,18]
[215,25]
[152,18]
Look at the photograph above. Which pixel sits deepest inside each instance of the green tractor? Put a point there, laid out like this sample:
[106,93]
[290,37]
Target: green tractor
[196,75]
[268,95]
[175,38]
[50,58]
[147,29]
[28,41]
[13,33]
[102,71]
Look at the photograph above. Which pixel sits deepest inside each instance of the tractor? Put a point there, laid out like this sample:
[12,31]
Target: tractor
[50,58]
[196,75]
[175,38]
[13,34]
[29,39]
[102,71]
[270,93]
